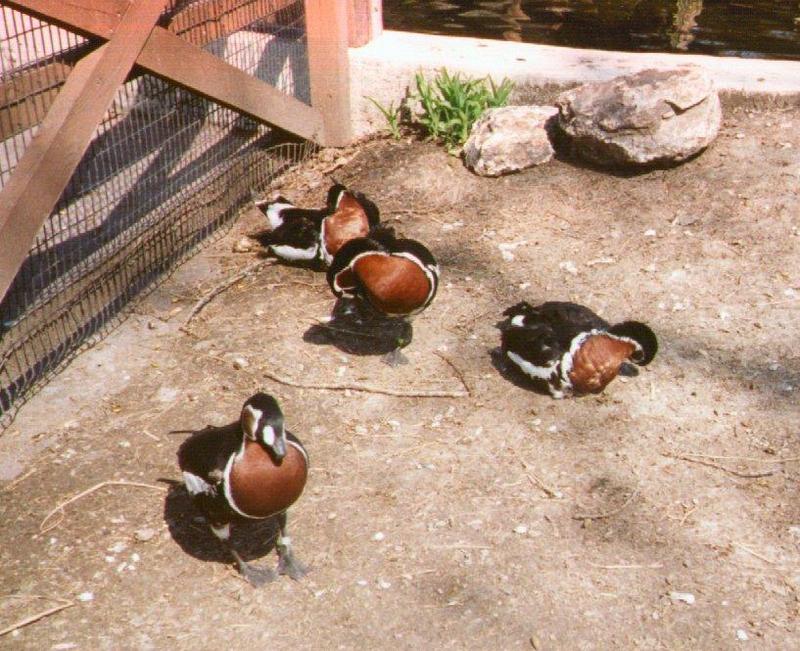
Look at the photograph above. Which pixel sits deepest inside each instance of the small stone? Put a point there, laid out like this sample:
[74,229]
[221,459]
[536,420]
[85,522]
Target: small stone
[685,597]
[741,635]
[521,529]
[239,363]
[569,267]
[244,245]
[536,643]
[509,139]
[794,530]
[361,582]
[378,536]
[135,557]
[151,325]
[383,584]
[331,516]
[144,534]
[86,596]
[116,548]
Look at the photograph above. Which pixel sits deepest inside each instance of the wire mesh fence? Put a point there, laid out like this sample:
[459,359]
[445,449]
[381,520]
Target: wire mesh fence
[165,170]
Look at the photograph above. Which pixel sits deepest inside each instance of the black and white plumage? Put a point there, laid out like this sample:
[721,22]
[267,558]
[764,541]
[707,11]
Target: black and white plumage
[570,349]
[389,280]
[251,469]
[313,236]
[397,277]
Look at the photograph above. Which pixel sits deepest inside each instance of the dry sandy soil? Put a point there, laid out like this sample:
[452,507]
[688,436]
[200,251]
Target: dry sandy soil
[661,514]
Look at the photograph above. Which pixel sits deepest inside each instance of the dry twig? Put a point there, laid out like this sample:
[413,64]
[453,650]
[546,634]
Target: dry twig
[743,475]
[41,615]
[10,487]
[607,514]
[102,484]
[216,291]
[649,566]
[456,370]
[550,492]
[367,388]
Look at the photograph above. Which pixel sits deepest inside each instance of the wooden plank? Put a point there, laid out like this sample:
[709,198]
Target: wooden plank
[173,59]
[326,32]
[364,21]
[170,57]
[87,17]
[25,98]
[201,24]
[64,135]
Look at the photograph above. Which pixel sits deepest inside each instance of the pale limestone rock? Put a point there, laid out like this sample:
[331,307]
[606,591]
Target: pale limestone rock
[508,139]
[649,118]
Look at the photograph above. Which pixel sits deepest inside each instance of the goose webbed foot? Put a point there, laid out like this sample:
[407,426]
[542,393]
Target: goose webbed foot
[288,565]
[256,576]
[395,358]
[627,369]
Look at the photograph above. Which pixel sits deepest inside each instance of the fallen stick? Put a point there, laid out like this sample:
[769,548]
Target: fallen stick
[456,370]
[550,492]
[735,458]
[702,462]
[367,388]
[88,491]
[650,566]
[36,617]
[607,514]
[216,291]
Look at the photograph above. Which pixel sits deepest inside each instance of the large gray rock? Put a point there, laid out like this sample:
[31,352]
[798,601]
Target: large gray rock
[651,117]
[508,139]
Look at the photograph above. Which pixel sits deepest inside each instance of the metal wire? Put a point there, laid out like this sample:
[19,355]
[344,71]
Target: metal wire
[165,170]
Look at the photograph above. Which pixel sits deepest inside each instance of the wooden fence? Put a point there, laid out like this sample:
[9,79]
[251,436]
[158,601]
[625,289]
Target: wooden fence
[154,36]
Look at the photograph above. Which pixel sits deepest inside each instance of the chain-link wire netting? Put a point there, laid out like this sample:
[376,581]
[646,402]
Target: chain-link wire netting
[165,170]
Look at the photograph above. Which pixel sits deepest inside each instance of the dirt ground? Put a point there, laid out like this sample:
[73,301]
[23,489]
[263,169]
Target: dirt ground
[661,514]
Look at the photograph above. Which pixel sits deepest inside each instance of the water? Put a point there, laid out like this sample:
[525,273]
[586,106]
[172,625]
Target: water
[765,28]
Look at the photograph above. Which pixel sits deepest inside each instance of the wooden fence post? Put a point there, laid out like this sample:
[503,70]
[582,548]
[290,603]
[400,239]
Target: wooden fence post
[365,21]
[65,133]
[326,31]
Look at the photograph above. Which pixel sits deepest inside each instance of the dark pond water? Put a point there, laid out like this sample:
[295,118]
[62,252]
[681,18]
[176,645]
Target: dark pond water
[765,28]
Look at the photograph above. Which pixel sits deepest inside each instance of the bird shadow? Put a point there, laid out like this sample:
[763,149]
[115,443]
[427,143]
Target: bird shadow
[252,539]
[508,371]
[356,333]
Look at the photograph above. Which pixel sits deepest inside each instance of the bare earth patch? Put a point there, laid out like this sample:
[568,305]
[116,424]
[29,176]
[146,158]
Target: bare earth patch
[661,514]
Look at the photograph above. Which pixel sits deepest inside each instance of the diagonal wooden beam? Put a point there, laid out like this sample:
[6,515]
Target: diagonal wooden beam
[173,59]
[65,134]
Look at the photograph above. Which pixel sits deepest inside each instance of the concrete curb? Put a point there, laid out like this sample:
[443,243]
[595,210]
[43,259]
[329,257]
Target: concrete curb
[384,68]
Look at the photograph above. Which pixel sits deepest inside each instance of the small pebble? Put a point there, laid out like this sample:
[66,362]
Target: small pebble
[741,635]
[239,363]
[650,232]
[244,245]
[521,529]
[116,548]
[378,536]
[685,597]
[144,534]
[331,516]
[86,596]
[383,584]
[361,582]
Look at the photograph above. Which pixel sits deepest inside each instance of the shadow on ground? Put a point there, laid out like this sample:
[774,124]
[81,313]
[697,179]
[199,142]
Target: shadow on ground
[252,539]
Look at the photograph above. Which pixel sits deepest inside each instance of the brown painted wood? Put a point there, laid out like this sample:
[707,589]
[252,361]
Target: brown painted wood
[179,62]
[65,133]
[173,59]
[25,98]
[364,21]
[200,24]
[326,31]
[87,17]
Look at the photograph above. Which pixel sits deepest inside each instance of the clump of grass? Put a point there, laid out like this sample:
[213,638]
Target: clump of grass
[392,114]
[451,105]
